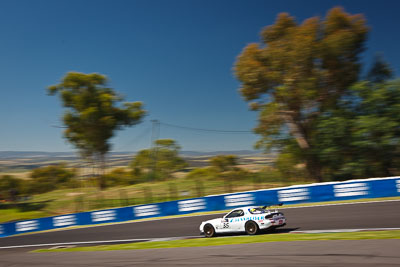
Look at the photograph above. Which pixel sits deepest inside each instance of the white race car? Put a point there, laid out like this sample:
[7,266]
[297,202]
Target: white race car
[245,219]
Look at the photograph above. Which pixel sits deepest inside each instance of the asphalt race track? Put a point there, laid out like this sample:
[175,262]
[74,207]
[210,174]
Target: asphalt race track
[349,216]
[300,254]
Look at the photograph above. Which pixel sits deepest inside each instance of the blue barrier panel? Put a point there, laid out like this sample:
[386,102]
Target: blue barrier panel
[125,214]
[385,188]
[27,226]
[294,195]
[169,208]
[321,193]
[8,229]
[103,216]
[353,189]
[46,223]
[215,203]
[237,200]
[65,220]
[146,211]
[189,206]
[83,218]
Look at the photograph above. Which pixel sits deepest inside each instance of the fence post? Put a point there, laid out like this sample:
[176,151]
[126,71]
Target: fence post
[78,204]
[123,198]
[148,197]
[100,200]
[173,192]
[228,184]
[199,188]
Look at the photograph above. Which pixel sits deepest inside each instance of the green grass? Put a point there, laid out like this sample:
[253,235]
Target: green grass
[87,198]
[200,242]
[9,215]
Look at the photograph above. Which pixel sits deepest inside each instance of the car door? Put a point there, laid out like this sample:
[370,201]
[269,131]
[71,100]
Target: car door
[234,220]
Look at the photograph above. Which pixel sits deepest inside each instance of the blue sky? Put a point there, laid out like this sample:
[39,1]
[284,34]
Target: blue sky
[175,56]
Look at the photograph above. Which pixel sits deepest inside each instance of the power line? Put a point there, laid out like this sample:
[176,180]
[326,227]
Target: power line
[206,130]
[136,138]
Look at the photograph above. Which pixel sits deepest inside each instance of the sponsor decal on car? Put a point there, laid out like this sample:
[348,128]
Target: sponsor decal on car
[293,194]
[148,210]
[353,189]
[105,215]
[65,220]
[27,226]
[253,218]
[239,200]
[190,205]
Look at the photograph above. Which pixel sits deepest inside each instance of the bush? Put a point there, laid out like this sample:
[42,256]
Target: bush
[118,177]
[206,173]
[10,187]
[49,178]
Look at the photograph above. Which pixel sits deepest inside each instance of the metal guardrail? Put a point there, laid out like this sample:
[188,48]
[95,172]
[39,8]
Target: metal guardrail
[332,191]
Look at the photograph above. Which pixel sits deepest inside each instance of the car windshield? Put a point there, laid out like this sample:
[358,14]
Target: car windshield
[257,210]
[235,213]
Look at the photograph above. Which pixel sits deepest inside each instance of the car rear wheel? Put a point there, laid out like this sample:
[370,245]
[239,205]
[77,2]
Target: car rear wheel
[251,228]
[209,230]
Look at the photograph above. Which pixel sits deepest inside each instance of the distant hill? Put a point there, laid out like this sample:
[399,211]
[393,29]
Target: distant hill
[43,154]
[20,161]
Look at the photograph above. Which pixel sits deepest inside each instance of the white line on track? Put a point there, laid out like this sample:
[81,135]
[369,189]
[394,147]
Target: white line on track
[342,230]
[99,242]
[340,204]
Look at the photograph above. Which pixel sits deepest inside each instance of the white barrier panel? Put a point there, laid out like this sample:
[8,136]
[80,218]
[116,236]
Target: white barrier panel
[293,194]
[65,220]
[26,226]
[347,190]
[190,205]
[148,210]
[105,215]
[398,185]
[239,200]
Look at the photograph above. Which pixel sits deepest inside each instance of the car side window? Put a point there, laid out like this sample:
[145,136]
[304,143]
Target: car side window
[235,213]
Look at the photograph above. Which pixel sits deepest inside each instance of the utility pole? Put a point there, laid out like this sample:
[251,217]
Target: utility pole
[155,133]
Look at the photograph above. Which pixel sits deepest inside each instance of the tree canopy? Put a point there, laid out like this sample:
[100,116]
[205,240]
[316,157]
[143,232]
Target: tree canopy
[361,138]
[160,161]
[298,72]
[223,163]
[93,113]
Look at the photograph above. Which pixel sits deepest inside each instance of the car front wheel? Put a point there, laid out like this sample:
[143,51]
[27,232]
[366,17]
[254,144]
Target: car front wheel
[209,230]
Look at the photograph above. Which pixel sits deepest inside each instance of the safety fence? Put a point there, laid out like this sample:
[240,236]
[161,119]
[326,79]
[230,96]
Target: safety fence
[320,192]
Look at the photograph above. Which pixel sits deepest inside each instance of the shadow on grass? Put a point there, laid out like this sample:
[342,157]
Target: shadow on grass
[26,206]
[263,232]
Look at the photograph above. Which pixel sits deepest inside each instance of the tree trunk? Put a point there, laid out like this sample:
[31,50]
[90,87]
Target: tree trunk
[299,134]
[313,168]
[102,180]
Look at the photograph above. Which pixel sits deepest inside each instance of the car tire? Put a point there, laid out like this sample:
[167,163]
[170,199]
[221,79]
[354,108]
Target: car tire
[209,230]
[251,228]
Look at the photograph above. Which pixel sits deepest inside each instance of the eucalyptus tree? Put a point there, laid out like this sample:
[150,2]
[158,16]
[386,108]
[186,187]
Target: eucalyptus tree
[93,113]
[298,72]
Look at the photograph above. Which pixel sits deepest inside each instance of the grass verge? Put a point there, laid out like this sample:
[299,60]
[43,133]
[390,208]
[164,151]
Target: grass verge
[200,242]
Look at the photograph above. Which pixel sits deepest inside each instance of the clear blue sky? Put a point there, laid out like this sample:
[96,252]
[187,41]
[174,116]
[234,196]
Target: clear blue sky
[175,56]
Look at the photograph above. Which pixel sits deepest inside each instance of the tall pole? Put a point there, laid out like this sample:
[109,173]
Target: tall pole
[155,133]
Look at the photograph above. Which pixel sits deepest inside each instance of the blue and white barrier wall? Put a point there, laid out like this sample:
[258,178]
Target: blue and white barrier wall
[333,191]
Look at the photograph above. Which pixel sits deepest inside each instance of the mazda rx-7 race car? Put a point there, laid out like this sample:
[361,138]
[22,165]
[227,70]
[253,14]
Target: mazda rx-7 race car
[245,219]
